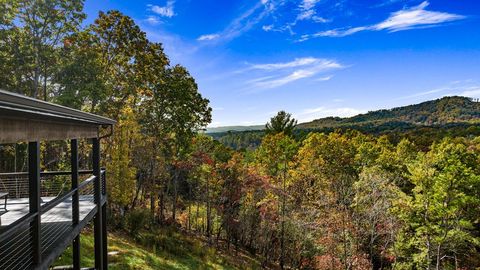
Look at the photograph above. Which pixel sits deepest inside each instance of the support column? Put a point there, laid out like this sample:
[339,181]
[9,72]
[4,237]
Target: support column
[98,226]
[104,223]
[75,203]
[34,200]
[104,236]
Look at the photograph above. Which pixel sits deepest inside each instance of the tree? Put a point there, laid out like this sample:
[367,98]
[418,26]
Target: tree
[123,174]
[273,157]
[282,122]
[375,192]
[174,113]
[441,214]
[109,65]
[35,32]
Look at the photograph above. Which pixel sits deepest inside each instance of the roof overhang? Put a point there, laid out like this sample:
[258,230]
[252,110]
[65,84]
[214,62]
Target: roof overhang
[27,119]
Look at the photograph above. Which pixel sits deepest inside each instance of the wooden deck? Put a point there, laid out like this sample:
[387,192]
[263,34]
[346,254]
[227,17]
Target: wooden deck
[18,208]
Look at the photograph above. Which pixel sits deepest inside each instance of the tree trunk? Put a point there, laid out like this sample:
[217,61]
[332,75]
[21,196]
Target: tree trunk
[174,202]
[189,216]
[196,217]
[282,243]
[152,203]
[208,211]
[161,205]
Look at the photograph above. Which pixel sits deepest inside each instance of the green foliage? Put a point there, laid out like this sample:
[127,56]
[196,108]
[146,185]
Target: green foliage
[282,122]
[32,32]
[122,175]
[275,152]
[436,112]
[388,189]
[137,220]
[439,216]
[163,249]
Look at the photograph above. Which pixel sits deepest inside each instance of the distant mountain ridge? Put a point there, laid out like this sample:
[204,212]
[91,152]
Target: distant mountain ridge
[441,111]
[234,128]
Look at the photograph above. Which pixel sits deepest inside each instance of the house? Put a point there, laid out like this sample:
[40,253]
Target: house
[40,220]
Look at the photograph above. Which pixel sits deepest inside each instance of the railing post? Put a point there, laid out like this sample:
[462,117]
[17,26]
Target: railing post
[98,227]
[75,203]
[34,200]
[104,222]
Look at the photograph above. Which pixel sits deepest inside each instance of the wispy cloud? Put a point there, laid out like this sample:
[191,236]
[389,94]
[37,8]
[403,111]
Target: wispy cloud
[325,78]
[153,20]
[405,19]
[389,2]
[208,37]
[164,11]
[466,88]
[308,12]
[297,62]
[287,72]
[245,22]
[473,92]
[267,28]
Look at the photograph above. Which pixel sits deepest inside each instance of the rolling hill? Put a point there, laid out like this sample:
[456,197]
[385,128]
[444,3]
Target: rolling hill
[234,128]
[442,111]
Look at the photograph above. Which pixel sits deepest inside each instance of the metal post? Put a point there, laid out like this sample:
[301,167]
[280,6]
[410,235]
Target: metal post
[98,227]
[34,200]
[104,223]
[75,203]
[104,236]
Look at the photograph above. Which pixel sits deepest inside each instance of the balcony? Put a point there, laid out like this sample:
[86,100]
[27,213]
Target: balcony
[42,213]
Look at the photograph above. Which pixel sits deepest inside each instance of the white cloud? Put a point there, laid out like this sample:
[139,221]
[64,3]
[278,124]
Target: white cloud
[325,78]
[267,28]
[153,20]
[247,20]
[295,63]
[294,76]
[208,37]
[389,2]
[415,17]
[287,72]
[466,88]
[308,4]
[473,92]
[405,19]
[164,11]
[308,12]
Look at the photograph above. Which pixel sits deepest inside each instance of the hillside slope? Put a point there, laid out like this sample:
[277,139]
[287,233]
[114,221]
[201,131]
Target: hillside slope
[442,111]
[162,249]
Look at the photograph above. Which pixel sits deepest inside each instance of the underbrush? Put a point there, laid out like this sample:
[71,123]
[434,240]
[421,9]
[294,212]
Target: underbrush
[158,248]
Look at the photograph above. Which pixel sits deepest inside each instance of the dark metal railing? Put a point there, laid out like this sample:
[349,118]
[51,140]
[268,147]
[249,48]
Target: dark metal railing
[56,217]
[16,247]
[52,184]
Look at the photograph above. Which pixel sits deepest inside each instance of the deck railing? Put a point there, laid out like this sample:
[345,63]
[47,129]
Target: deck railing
[52,184]
[58,223]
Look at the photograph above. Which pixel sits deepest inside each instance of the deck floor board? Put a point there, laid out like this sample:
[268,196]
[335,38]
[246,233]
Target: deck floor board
[18,208]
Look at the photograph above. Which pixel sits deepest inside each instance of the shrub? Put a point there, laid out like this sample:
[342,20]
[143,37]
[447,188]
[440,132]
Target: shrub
[137,220]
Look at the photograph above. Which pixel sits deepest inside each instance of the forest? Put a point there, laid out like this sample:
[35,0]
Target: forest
[295,198]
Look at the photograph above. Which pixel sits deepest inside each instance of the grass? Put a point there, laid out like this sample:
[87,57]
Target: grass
[159,249]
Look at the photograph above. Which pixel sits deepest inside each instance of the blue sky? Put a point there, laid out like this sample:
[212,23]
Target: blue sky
[314,58]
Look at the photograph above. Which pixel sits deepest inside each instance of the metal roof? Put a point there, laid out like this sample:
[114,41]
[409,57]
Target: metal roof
[12,104]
